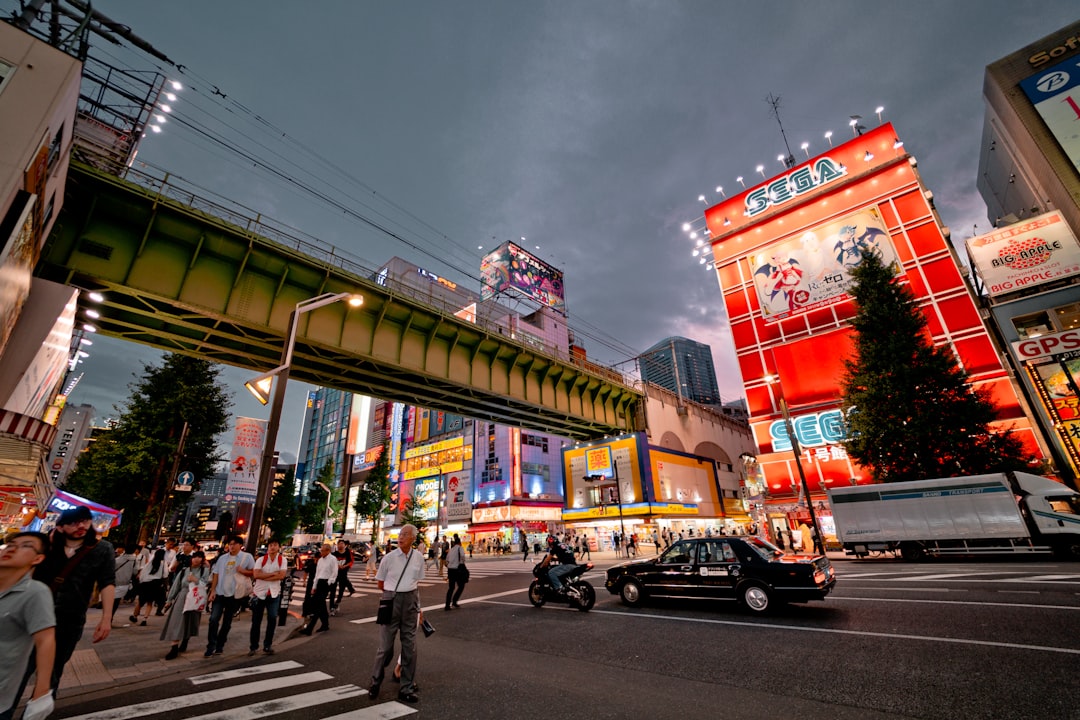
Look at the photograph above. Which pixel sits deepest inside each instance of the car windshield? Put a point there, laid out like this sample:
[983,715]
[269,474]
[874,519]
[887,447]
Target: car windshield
[677,554]
[1066,504]
[764,548]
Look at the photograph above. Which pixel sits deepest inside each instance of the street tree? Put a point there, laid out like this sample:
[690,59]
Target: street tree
[313,512]
[132,464]
[282,511]
[910,410]
[375,496]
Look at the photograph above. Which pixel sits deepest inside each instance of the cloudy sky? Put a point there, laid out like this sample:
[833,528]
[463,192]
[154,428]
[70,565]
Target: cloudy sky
[589,128]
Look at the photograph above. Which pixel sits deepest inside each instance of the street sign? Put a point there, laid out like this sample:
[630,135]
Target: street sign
[185,481]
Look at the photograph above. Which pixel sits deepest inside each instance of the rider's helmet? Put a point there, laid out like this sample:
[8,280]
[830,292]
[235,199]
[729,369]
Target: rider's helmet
[551,540]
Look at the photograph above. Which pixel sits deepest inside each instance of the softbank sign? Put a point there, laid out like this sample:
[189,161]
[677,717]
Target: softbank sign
[1046,345]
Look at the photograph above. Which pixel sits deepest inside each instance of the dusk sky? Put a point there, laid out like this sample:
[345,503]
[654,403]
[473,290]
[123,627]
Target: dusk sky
[589,128]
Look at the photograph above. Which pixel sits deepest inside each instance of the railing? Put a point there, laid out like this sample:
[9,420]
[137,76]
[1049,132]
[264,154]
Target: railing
[255,224]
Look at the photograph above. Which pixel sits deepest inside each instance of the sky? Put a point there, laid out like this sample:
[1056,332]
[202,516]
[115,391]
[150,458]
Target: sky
[589,128]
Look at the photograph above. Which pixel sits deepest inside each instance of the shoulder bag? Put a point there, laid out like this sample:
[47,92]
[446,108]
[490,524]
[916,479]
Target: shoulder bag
[386,605]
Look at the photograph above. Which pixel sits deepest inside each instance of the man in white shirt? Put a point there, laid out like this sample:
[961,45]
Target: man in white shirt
[268,573]
[326,571]
[399,574]
[230,570]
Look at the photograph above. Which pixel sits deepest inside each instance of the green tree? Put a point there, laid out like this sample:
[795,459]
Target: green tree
[313,512]
[910,410]
[375,496]
[282,512]
[412,513]
[129,467]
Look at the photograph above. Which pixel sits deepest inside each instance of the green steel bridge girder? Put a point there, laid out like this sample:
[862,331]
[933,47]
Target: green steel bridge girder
[184,280]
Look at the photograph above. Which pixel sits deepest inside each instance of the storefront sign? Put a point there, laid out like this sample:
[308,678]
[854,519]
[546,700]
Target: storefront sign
[611,511]
[503,513]
[1026,254]
[1047,345]
[428,472]
[598,462]
[822,428]
[434,447]
[786,187]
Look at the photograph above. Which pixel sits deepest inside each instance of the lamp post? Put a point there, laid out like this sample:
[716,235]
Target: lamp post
[327,533]
[819,540]
[260,388]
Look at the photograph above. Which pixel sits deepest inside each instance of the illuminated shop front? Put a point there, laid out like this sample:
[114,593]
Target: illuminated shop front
[783,251]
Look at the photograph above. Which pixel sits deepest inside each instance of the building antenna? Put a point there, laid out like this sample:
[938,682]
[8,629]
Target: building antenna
[774,101]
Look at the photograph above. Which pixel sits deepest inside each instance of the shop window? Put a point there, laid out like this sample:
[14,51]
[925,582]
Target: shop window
[1034,325]
[54,148]
[1068,316]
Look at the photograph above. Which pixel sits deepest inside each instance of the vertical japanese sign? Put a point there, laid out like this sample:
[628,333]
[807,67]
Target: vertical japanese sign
[243,482]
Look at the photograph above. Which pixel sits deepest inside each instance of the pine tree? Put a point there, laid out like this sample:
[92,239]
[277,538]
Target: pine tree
[375,495]
[282,512]
[910,411]
[128,466]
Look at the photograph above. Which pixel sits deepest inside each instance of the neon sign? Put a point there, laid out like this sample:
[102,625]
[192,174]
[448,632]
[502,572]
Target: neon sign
[824,428]
[787,187]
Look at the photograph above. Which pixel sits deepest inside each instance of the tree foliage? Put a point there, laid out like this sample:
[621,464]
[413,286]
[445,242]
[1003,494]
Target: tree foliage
[910,410]
[375,496]
[413,513]
[282,512]
[312,515]
[128,466]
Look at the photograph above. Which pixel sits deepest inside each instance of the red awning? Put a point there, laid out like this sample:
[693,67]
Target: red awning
[489,527]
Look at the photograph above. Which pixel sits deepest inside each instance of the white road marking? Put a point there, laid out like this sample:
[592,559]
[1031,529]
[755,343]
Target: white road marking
[204,697]
[959,602]
[948,576]
[1044,578]
[244,672]
[1022,578]
[464,601]
[382,711]
[266,708]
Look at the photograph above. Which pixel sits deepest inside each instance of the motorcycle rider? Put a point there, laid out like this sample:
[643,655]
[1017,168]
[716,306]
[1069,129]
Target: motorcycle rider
[564,555]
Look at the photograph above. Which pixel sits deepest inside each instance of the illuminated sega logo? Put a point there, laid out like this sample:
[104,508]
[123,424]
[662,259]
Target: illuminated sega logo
[824,428]
[786,187]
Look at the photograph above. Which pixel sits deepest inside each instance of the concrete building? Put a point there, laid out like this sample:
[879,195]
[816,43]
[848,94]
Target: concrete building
[683,366]
[1027,270]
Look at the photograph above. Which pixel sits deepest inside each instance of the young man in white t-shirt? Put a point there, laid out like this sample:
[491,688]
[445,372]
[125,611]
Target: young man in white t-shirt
[268,573]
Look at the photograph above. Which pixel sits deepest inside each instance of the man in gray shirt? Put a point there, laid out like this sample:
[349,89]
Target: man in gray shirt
[27,622]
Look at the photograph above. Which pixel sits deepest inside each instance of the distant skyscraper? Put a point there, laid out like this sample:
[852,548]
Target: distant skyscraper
[684,367]
[326,425]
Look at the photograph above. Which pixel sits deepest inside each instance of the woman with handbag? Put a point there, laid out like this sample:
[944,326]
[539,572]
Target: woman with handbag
[151,585]
[185,604]
[456,573]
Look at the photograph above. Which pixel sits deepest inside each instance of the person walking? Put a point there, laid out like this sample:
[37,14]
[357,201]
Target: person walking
[369,566]
[399,575]
[444,548]
[585,549]
[456,572]
[325,574]
[524,547]
[230,570]
[123,574]
[432,551]
[185,603]
[27,626]
[268,572]
[77,561]
[344,557]
[151,586]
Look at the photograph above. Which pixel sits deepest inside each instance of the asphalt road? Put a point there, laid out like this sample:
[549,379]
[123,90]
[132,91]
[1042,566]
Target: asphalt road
[896,640]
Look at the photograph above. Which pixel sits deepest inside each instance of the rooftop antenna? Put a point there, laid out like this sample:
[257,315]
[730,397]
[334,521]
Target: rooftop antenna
[774,101]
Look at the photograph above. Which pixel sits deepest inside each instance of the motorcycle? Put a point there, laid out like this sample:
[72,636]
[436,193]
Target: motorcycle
[579,593]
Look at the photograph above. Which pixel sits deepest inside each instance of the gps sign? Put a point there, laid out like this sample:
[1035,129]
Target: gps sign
[1067,341]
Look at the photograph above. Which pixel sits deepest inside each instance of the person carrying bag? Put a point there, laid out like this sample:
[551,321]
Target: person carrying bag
[456,574]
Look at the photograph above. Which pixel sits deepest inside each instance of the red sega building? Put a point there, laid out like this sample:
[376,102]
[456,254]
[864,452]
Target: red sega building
[781,252]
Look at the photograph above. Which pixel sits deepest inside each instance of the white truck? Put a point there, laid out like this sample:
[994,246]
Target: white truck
[973,515]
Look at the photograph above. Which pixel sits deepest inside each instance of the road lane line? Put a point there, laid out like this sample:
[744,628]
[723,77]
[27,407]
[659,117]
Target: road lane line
[371,619]
[266,708]
[244,672]
[1024,578]
[382,711]
[959,602]
[202,698]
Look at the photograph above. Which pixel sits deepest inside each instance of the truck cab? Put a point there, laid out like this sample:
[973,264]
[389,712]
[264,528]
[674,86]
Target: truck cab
[1054,509]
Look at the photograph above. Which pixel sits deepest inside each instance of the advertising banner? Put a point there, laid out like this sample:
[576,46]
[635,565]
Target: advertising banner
[812,270]
[1055,93]
[426,492]
[509,266]
[458,500]
[1026,254]
[243,482]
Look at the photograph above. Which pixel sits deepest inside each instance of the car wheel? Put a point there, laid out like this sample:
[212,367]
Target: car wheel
[630,593]
[755,597]
[536,594]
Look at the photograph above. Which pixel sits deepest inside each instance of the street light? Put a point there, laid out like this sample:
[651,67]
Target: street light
[328,528]
[263,384]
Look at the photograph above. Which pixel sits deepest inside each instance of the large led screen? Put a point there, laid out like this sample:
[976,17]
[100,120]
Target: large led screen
[813,270]
[509,266]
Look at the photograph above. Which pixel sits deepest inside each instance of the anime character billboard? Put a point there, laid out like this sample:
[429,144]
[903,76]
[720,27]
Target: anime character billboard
[813,270]
[509,266]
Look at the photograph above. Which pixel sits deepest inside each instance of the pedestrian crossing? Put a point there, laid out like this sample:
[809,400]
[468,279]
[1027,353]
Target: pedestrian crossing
[282,689]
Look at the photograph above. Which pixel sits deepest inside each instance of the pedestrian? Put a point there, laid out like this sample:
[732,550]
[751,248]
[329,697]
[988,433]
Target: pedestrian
[524,547]
[399,575]
[431,552]
[182,561]
[27,626]
[470,551]
[123,574]
[231,571]
[325,574]
[780,539]
[631,545]
[268,572]
[77,561]
[344,557]
[171,552]
[444,548]
[185,603]
[585,549]
[456,572]
[151,586]
[369,566]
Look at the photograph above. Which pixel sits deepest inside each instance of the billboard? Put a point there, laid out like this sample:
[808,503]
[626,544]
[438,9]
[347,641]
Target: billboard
[1055,93]
[813,269]
[510,267]
[243,481]
[1026,254]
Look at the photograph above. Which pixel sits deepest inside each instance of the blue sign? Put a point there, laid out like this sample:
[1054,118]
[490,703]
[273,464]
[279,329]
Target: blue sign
[185,480]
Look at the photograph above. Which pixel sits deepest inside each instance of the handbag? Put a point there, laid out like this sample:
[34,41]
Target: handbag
[195,598]
[463,575]
[385,613]
[427,627]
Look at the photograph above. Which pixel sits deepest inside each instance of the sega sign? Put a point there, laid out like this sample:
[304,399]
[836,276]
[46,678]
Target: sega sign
[792,185]
[1044,345]
[824,428]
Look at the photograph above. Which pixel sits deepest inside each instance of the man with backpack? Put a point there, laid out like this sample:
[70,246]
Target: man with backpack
[268,573]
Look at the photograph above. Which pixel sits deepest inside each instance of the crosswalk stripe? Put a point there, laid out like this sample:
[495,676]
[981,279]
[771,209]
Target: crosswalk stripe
[244,672]
[267,708]
[204,697]
[382,711]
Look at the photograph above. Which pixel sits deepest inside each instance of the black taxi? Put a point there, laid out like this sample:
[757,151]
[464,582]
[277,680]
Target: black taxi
[746,569]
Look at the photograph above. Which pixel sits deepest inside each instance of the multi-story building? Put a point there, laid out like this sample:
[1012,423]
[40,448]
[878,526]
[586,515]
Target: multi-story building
[683,366]
[323,438]
[1028,269]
